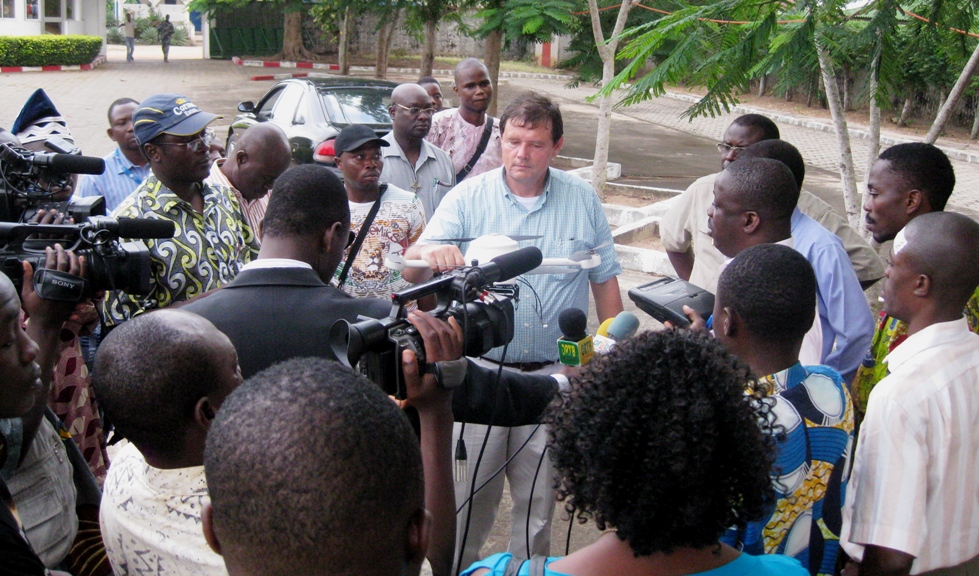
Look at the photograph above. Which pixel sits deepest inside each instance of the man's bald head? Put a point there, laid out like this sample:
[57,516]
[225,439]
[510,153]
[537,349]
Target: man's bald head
[411,113]
[466,65]
[941,246]
[261,155]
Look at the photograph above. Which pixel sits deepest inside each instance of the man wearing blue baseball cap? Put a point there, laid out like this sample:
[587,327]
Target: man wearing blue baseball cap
[212,239]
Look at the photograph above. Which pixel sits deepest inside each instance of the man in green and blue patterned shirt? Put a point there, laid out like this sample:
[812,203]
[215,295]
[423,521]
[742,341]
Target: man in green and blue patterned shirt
[212,240]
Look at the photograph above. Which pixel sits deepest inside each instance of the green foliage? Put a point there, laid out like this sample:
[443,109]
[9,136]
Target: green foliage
[47,50]
[532,20]
[146,32]
[724,45]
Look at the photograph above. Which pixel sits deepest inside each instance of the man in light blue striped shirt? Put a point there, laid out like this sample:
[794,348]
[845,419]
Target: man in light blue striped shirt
[526,196]
[126,167]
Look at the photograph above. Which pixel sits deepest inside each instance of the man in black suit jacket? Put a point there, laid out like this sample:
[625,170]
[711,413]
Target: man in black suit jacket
[281,307]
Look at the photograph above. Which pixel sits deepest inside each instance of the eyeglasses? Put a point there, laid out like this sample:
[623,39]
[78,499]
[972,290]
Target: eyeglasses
[725,148]
[351,239]
[416,111]
[199,144]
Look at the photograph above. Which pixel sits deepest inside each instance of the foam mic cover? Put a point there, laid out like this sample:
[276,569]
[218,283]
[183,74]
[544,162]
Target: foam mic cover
[513,264]
[623,326]
[573,323]
[575,347]
[603,327]
[145,228]
[70,163]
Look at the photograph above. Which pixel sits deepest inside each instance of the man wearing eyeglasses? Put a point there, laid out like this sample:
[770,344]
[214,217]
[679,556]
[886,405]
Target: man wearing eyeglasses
[212,239]
[410,162]
[683,228]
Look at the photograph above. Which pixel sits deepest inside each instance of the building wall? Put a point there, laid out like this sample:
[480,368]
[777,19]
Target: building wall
[87,17]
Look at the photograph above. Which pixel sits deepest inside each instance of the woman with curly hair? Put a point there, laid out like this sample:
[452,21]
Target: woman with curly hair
[658,442]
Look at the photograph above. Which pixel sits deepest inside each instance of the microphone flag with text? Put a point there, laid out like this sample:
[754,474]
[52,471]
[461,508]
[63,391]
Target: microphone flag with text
[575,346]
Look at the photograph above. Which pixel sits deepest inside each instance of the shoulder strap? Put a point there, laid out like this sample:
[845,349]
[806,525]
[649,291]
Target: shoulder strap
[364,229]
[487,132]
[513,567]
[537,563]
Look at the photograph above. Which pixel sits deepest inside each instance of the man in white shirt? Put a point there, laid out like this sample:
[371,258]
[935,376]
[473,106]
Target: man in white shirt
[913,502]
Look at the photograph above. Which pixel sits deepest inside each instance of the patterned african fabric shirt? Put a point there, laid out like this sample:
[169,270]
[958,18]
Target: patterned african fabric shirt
[459,138]
[207,251]
[889,334]
[253,210]
[811,469]
[151,519]
[400,220]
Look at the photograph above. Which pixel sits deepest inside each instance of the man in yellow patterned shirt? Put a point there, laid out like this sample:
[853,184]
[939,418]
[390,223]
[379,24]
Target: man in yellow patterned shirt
[212,240]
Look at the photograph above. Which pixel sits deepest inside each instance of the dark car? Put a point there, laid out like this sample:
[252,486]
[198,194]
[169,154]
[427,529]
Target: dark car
[312,111]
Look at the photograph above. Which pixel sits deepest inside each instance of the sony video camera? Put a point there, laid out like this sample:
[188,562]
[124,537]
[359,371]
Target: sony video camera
[482,308]
[28,180]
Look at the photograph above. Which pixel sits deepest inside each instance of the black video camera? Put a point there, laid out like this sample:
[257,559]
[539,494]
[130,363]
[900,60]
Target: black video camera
[482,308]
[28,180]
[112,264]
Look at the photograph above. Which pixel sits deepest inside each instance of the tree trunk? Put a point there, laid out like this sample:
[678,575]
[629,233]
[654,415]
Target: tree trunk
[292,39]
[384,37]
[599,174]
[344,43]
[873,150]
[428,50]
[789,94]
[906,110]
[953,99]
[761,86]
[975,122]
[847,172]
[492,50]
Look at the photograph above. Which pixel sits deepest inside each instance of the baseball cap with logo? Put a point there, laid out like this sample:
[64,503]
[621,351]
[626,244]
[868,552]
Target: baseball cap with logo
[169,114]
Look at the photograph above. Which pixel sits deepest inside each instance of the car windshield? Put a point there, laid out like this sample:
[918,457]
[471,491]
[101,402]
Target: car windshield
[357,105]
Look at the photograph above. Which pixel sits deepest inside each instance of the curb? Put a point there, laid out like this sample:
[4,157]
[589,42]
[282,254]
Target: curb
[55,68]
[336,67]
[954,153]
[280,76]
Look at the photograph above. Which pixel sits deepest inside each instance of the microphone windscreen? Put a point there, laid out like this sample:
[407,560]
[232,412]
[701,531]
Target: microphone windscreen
[603,327]
[573,323]
[623,326]
[146,228]
[513,264]
[72,164]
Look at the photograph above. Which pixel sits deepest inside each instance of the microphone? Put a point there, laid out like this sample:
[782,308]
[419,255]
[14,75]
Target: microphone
[135,227]
[603,327]
[69,163]
[623,326]
[575,346]
[512,264]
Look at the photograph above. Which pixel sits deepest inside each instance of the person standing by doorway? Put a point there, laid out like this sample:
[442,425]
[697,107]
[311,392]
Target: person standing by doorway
[165,32]
[129,33]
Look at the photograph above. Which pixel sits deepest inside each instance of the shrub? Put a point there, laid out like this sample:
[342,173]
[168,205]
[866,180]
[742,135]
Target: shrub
[48,50]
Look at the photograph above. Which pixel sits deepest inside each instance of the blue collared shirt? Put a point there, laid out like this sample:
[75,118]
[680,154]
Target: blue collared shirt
[118,181]
[843,310]
[568,216]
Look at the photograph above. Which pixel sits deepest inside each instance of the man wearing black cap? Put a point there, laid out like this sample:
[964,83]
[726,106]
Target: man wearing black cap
[398,219]
[212,239]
